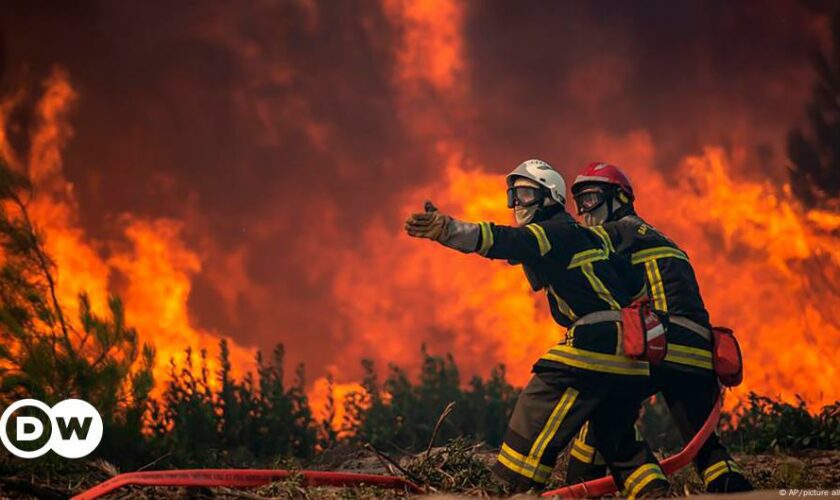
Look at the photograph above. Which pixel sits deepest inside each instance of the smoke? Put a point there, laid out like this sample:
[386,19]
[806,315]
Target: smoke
[282,143]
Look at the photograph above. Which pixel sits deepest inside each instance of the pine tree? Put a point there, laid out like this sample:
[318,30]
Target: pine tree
[48,356]
[327,435]
[815,155]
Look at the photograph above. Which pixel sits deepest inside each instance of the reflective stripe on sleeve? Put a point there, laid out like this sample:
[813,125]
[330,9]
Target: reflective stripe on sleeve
[657,288]
[657,253]
[542,238]
[587,257]
[486,238]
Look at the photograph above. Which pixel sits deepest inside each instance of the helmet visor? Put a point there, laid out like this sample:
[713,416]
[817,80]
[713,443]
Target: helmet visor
[524,196]
[590,199]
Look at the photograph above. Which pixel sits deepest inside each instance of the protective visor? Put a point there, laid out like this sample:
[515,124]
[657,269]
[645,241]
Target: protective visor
[524,196]
[589,199]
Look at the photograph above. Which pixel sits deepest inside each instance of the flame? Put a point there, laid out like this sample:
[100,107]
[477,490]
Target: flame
[321,392]
[766,267]
[159,269]
[156,264]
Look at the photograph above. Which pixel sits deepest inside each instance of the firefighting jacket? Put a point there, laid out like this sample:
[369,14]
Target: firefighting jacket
[579,278]
[671,284]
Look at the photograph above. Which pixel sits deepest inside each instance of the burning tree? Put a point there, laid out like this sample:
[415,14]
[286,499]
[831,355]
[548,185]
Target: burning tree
[43,353]
[815,173]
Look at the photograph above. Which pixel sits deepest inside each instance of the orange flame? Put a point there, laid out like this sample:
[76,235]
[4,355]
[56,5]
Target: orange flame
[156,264]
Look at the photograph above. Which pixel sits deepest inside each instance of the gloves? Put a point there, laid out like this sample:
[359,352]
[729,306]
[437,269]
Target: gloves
[459,235]
[431,225]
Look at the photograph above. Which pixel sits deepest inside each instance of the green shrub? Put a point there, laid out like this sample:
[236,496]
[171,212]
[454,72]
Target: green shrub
[766,424]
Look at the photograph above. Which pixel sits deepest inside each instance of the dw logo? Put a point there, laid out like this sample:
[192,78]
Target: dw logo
[73,428]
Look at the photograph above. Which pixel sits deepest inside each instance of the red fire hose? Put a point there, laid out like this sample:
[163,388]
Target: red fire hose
[245,478]
[606,485]
[241,478]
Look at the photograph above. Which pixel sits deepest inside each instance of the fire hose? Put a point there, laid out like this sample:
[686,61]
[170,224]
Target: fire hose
[242,478]
[247,478]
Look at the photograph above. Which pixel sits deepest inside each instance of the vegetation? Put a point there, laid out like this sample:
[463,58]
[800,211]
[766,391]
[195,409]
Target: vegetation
[46,355]
[766,424]
[400,415]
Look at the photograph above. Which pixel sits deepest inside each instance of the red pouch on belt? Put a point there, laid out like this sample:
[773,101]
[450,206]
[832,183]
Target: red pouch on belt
[729,365]
[643,334]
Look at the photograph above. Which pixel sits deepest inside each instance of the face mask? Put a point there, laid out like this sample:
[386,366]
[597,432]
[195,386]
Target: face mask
[524,215]
[595,217]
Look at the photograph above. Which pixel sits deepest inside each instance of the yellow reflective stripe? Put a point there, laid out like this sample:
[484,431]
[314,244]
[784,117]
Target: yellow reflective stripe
[597,285]
[583,451]
[657,253]
[605,237]
[542,239]
[550,429]
[583,432]
[717,469]
[486,238]
[517,463]
[657,288]
[564,307]
[714,471]
[586,257]
[541,475]
[596,361]
[692,356]
[582,456]
[640,478]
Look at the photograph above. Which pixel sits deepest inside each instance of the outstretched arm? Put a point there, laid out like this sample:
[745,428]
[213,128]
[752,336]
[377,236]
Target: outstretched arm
[522,244]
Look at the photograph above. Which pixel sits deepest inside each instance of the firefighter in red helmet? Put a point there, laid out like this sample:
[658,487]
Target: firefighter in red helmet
[604,198]
[585,294]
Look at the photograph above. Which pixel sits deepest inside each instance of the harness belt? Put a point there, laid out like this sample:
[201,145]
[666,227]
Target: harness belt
[690,325]
[597,317]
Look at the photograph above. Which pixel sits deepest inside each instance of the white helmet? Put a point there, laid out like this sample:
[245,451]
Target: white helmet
[543,174]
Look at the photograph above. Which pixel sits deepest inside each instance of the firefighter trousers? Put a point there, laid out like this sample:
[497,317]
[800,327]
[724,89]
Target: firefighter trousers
[689,396]
[551,410]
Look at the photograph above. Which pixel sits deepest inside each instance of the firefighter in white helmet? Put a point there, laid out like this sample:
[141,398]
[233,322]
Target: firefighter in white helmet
[585,294]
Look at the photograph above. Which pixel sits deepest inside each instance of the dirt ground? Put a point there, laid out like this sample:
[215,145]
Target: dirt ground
[806,473]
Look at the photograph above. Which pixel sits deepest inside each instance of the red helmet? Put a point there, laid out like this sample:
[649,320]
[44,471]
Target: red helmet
[603,173]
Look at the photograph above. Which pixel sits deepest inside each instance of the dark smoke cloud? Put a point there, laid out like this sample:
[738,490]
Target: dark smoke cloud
[273,128]
[691,73]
